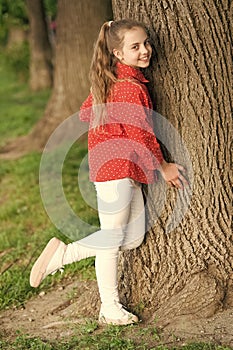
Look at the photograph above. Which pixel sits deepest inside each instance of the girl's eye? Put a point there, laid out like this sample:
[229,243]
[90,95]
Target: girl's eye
[135,47]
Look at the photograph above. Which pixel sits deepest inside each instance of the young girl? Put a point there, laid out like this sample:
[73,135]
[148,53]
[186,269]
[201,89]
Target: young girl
[123,154]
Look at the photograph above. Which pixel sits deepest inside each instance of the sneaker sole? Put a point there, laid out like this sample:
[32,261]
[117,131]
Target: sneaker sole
[119,322]
[41,264]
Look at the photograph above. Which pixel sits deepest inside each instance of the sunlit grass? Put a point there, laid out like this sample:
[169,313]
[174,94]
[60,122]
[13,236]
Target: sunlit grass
[24,224]
[20,107]
[89,336]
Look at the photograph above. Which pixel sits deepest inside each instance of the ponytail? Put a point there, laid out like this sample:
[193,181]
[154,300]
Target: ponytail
[102,74]
[103,65]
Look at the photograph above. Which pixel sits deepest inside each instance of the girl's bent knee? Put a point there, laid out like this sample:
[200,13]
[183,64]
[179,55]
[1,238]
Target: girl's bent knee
[133,244]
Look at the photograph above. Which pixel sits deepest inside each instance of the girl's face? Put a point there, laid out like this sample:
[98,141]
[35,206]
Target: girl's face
[136,50]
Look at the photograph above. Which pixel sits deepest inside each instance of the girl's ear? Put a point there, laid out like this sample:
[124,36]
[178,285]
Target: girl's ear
[117,54]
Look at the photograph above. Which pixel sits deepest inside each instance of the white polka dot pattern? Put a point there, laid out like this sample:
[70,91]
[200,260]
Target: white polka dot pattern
[125,146]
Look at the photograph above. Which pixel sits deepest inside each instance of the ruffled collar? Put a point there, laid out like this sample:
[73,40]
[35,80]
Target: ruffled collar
[124,71]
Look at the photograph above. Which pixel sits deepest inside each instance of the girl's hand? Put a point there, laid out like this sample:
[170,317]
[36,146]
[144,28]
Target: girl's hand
[171,173]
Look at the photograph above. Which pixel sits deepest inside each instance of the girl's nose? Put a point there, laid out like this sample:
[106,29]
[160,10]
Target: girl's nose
[144,49]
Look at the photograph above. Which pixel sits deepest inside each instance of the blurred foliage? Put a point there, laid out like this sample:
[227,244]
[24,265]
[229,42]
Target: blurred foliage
[14,13]
[50,8]
[20,110]
[17,58]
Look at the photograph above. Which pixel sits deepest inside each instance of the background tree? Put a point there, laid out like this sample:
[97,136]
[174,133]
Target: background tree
[13,22]
[14,36]
[14,39]
[40,48]
[78,24]
[189,270]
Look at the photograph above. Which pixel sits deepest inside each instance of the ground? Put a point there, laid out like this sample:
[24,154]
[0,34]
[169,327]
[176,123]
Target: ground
[53,315]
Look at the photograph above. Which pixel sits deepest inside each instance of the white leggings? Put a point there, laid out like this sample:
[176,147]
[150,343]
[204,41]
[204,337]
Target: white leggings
[122,226]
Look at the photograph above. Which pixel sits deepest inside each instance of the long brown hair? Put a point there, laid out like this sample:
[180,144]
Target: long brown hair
[103,65]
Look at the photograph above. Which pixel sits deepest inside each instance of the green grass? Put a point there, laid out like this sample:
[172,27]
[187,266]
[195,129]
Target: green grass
[24,225]
[89,337]
[20,108]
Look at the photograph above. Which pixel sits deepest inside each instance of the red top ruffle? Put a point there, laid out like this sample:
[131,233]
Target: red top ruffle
[125,146]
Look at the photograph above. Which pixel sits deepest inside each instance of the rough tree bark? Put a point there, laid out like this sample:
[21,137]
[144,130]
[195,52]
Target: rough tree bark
[189,270]
[78,24]
[40,49]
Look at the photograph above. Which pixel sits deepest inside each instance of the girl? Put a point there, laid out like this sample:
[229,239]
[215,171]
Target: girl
[123,154]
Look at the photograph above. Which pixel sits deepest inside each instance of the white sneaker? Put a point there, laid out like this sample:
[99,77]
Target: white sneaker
[117,315]
[50,260]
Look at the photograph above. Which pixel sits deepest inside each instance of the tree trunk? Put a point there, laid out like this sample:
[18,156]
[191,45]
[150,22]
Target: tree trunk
[78,24]
[187,270]
[40,49]
[16,37]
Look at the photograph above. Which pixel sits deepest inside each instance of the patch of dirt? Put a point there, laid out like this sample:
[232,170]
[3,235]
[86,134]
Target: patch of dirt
[217,329]
[54,314]
[50,314]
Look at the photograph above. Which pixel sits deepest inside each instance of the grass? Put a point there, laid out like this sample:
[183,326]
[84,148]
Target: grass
[88,337]
[20,108]
[25,227]
[24,224]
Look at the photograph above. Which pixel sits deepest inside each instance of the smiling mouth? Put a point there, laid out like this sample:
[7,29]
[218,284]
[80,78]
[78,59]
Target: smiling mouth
[145,59]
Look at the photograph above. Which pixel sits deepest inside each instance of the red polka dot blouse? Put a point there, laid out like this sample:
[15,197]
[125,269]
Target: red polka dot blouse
[125,145]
